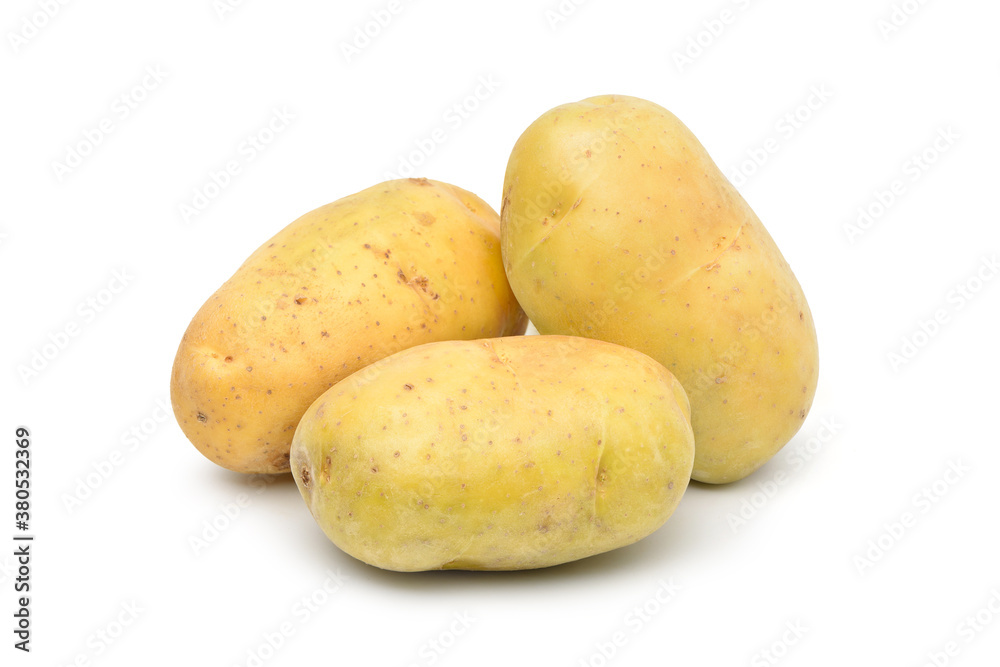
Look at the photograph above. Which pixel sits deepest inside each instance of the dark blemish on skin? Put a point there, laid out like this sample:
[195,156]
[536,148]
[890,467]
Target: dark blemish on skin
[249,369]
[305,477]
[228,360]
[396,455]
[301,300]
[407,387]
[670,485]
[202,417]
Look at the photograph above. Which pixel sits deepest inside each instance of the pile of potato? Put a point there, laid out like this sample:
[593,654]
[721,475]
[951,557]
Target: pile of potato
[374,348]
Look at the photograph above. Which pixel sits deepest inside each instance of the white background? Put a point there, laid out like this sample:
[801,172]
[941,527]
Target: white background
[894,429]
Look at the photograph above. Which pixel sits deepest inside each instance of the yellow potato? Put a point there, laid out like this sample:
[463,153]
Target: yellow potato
[397,265]
[617,225]
[502,454]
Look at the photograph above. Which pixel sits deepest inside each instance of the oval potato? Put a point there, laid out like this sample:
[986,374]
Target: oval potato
[617,225]
[400,264]
[500,454]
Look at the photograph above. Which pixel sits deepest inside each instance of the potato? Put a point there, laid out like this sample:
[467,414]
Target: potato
[400,264]
[502,454]
[617,225]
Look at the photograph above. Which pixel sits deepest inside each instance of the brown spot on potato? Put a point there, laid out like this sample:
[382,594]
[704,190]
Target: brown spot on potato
[281,462]
[228,360]
[424,218]
[202,417]
[408,387]
[421,283]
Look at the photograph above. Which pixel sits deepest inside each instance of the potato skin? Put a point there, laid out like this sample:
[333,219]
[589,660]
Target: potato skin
[617,225]
[502,454]
[400,264]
